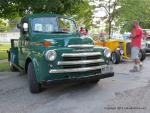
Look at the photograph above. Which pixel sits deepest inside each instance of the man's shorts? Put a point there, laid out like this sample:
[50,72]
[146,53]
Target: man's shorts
[135,53]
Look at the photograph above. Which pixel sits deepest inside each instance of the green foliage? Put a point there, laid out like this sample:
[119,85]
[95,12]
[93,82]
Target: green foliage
[13,22]
[20,8]
[80,9]
[3,26]
[131,10]
[82,13]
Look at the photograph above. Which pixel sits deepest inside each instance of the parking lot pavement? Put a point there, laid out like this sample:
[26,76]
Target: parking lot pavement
[125,89]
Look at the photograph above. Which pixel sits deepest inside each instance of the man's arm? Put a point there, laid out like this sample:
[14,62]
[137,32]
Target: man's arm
[137,33]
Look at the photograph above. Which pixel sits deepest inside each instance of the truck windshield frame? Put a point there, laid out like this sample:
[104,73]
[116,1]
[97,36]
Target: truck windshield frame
[53,25]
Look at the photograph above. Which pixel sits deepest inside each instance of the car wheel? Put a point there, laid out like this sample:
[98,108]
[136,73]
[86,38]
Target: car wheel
[34,86]
[142,55]
[115,57]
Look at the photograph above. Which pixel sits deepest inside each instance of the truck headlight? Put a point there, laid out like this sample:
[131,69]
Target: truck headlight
[50,55]
[107,53]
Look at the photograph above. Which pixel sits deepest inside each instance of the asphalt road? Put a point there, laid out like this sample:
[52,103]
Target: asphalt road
[124,93]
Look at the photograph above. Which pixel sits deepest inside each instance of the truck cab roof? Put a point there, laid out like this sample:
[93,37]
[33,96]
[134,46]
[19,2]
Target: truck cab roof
[25,18]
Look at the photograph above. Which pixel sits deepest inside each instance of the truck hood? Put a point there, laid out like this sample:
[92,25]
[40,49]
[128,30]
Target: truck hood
[64,40]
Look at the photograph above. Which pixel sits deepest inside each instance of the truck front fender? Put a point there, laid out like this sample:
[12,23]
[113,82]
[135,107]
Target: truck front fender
[32,59]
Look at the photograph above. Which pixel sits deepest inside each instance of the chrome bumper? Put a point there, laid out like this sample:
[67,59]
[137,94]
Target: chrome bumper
[103,69]
[78,79]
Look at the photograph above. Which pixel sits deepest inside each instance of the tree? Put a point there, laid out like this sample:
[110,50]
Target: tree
[3,25]
[82,13]
[133,10]
[110,7]
[19,8]
[79,9]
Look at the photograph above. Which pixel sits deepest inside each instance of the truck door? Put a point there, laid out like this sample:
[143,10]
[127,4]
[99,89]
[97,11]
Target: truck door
[23,44]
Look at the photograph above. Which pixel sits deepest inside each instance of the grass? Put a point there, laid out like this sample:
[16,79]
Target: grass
[4,67]
[4,46]
[3,55]
[3,50]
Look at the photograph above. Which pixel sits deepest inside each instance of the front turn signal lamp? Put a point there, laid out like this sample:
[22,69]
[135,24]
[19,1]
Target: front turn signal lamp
[47,43]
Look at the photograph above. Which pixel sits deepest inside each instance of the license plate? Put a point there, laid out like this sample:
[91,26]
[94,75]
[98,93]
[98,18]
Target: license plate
[106,69]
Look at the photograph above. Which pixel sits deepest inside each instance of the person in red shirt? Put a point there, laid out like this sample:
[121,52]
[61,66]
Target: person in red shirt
[82,31]
[136,37]
[86,32]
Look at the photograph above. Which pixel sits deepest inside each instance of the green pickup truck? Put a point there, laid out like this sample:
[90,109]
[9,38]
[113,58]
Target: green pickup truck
[50,50]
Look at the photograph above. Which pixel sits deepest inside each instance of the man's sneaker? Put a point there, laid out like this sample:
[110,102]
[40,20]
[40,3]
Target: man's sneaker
[135,69]
[141,67]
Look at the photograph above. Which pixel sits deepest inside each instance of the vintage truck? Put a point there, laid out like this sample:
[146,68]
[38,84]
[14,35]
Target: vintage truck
[120,49]
[51,50]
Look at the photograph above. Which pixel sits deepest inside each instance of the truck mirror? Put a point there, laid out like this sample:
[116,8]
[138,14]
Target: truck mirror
[25,26]
[19,26]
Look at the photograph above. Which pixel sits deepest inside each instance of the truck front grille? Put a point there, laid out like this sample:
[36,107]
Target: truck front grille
[75,61]
[92,57]
[71,58]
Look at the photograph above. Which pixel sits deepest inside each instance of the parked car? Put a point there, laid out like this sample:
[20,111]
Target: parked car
[120,49]
[51,50]
[146,40]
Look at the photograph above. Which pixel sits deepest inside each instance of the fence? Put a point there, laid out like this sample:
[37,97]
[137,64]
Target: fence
[6,37]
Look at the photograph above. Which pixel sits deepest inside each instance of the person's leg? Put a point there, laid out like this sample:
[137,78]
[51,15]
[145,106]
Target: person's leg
[138,62]
[134,56]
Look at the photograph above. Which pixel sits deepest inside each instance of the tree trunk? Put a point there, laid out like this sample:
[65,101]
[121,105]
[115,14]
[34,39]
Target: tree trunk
[109,29]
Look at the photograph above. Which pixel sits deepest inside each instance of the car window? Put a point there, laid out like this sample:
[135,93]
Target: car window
[67,25]
[44,24]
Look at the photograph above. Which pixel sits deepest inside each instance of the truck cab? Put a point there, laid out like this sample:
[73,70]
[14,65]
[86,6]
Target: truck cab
[50,50]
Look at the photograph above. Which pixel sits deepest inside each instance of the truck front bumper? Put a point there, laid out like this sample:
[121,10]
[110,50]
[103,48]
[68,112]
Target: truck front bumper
[78,79]
[102,68]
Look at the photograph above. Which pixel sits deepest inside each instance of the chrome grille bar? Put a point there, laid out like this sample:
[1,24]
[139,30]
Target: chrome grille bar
[81,46]
[80,62]
[81,54]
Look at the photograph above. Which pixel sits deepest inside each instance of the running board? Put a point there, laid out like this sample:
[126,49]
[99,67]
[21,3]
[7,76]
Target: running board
[22,72]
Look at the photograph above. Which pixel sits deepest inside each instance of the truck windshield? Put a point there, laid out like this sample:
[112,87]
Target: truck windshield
[53,25]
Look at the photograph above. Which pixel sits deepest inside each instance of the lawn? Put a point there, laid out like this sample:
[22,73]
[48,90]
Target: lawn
[3,50]
[4,67]
[4,46]
[3,55]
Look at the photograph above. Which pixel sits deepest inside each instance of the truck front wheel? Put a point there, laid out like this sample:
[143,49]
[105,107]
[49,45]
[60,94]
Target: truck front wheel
[34,86]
